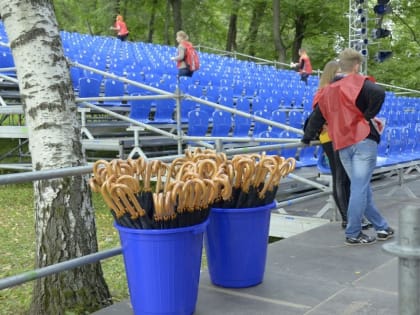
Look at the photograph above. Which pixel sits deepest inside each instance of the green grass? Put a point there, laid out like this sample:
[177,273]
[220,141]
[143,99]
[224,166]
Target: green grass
[17,248]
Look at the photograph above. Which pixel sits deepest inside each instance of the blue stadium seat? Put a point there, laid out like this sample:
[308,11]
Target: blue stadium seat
[195,90]
[89,87]
[307,156]
[257,104]
[186,107]
[93,75]
[208,109]
[7,61]
[269,134]
[296,119]
[114,88]
[198,123]
[416,148]
[279,116]
[395,143]
[243,104]
[164,111]
[222,123]
[75,76]
[241,126]
[140,110]
[260,126]
[289,152]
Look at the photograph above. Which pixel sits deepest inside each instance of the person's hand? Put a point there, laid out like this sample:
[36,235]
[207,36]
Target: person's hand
[305,141]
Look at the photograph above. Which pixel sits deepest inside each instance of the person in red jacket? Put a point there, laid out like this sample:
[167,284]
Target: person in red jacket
[303,66]
[349,106]
[121,28]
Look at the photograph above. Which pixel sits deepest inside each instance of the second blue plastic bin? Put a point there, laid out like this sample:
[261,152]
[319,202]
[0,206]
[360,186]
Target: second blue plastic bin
[236,242]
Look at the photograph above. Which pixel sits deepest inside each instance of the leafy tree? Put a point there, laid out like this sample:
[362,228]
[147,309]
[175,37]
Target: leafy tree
[65,222]
[403,67]
[250,26]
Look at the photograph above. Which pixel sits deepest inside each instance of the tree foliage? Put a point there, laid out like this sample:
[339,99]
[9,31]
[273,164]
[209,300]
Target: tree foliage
[247,26]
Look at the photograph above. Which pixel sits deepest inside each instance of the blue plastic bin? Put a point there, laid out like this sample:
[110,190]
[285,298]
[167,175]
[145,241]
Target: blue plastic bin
[163,268]
[236,242]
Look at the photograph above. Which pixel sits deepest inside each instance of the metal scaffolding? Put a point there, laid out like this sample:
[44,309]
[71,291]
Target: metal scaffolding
[358,29]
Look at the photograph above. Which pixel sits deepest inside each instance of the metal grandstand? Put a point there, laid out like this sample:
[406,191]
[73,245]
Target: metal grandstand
[251,90]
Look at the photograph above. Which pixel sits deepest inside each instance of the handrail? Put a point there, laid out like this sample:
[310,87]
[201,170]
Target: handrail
[58,267]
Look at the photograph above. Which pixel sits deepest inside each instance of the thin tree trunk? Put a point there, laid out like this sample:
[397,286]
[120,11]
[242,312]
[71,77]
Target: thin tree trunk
[278,44]
[152,22]
[231,36]
[300,28]
[64,217]
[258,14]
[177,13]
[167,36]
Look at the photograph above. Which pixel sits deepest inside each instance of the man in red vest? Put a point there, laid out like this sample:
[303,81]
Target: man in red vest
[348,106]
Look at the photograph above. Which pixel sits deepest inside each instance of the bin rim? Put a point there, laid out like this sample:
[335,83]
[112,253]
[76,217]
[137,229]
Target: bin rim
[196,228]
[253,209]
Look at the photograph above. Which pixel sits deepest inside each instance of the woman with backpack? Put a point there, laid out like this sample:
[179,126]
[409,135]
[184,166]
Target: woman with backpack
[187,59]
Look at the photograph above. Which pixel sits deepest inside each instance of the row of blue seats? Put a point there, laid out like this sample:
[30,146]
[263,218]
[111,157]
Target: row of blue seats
[224,124]
[400,144]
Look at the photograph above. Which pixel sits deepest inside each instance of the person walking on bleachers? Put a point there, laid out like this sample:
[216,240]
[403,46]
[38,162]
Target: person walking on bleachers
[304,65]
[182,40]
[348,105]
[121,28]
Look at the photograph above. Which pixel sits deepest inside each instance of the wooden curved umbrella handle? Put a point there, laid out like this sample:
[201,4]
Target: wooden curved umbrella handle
[210,192]
[223,187]
[130,182]
[119,212]
[123,196]
[206,168]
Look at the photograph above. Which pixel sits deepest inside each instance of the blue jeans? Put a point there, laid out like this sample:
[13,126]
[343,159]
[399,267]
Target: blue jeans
[359,161]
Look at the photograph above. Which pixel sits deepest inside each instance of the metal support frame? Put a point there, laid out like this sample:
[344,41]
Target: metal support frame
[83,128]
[401,185]
[330,204]
[136,149]
[358,29]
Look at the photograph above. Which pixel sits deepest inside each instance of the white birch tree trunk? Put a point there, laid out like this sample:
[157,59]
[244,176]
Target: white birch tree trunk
[65,223]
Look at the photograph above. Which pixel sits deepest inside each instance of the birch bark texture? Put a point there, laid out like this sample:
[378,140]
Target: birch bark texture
[64,216]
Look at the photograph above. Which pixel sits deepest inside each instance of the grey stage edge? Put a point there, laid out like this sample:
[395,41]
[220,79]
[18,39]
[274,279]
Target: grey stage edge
[314,273]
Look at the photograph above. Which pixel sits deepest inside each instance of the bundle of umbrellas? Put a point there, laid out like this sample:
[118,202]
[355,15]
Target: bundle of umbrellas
[155,195]
[255,179]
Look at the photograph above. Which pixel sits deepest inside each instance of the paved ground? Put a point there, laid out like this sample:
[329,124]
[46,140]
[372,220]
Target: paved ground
[315,273]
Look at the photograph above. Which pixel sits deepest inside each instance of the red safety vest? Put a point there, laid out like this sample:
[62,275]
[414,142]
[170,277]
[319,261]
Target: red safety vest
[337,102]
